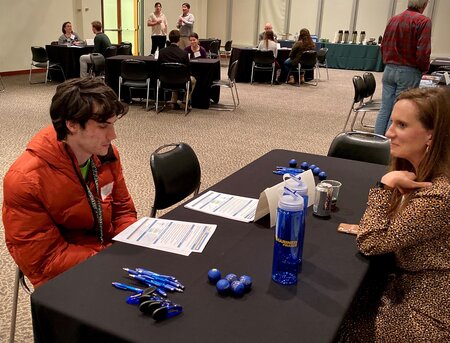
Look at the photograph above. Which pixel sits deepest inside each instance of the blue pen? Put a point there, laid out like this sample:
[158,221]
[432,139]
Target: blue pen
[290,170]
[162,283]
[146,282]
[176,285]
[126,287]
[145,271]
[131,271]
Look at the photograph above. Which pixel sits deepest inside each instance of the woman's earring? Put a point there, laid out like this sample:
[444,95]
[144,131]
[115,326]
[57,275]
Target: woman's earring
[427,149]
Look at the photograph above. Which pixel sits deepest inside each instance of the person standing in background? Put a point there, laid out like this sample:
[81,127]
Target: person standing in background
[158,22]
[185,25]
[406,48]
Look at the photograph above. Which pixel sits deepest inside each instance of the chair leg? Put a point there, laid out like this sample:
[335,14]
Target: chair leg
[153,212]
[12,331]
[157,96]
[188,83]
[29,77]
[237,94]
[120,88]
[348,118]
[253,68]
[148,93]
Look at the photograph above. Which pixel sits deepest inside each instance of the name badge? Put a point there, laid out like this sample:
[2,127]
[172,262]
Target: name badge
[106,190]
[197,54]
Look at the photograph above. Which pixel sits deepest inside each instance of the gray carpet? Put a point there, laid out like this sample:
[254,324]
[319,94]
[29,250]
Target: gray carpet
[302,118]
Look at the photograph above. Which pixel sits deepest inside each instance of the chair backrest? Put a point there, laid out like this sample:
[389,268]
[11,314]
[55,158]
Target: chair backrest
[371,84]
[132,69]
[322,55]
[228,45]
[264,57]
[360,89]
[174,73]
[124,49]
[176,174]
[214,47]
[361,146]
[39,54]
[308,59]
[232,71]
[110,51]
[98,63]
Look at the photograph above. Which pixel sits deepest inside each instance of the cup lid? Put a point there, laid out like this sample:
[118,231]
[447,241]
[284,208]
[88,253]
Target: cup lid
[290,202]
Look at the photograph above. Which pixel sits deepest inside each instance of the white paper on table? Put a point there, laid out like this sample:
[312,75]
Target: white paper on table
[225,205]
[173,236]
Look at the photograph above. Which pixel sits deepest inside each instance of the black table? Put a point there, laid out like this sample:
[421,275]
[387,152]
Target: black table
[439,63]
[354,56]
[68,57]
[80,305]
[204,70]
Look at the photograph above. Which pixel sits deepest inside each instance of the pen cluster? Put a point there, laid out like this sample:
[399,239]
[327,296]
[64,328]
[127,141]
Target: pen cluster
[230,284]
[163,283]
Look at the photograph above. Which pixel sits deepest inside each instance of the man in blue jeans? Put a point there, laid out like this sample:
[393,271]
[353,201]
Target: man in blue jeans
[406,49]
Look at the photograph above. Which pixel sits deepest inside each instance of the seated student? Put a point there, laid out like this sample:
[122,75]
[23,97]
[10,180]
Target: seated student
[195,50]
[65,197]
[408,216]
[267,27]
[101,43]
[68,37]
[269,44]
[304,43]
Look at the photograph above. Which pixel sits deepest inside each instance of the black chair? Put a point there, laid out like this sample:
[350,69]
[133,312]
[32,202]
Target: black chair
[124,49]
[110,51]
[19,281]
[263,61]
[226,52]
[375,104]
[176,174]
[231,84]
[307,63]
[358,105]
[322,60]
[97,65]
[39,59]
[361,146]
[135,75]
[214,49]
[173,77]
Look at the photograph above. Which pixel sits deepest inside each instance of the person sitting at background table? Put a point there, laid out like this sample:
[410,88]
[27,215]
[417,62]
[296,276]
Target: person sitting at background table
[65,197]
[267,27]
[195,50]
[269,44]
[101,43]
[68,37]
[304,43]
[408,214]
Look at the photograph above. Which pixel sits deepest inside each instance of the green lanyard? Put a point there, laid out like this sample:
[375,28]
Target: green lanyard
[95,203]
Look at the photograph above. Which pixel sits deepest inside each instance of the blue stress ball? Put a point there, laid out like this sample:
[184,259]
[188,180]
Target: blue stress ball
[237,288]
[304,165]
[223,287]
[312,166]
[293,163]
[231,277]
[247,282]
[316,171]
[214,275]
[322,175]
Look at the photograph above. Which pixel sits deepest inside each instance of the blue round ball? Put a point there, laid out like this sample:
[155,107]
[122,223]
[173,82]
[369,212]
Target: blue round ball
[322,175]
[312,166]
[214,275]
[293,163]
[316,171]
[247,281]
[231,277]
[304,165]
[223,287]
[237,288]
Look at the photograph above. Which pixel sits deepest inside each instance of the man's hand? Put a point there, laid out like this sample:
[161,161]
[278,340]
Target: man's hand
[404,181]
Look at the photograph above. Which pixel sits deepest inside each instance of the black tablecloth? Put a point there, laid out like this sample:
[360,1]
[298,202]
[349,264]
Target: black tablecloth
[68,58]
[204,70]
[80,305]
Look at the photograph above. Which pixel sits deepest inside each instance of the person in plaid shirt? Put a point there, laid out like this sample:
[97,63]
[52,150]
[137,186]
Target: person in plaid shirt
[406,49]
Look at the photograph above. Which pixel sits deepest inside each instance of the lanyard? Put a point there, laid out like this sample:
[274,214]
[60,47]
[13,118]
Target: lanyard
[95,203]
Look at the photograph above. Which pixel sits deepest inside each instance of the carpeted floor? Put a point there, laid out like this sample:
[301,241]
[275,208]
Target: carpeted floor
[302,118]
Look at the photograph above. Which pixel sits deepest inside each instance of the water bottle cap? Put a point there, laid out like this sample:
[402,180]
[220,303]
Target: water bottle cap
[289,202]
[296,185]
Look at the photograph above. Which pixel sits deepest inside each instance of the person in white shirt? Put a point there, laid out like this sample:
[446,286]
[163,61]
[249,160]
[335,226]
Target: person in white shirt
[269,44]
[158,22]
[185,25]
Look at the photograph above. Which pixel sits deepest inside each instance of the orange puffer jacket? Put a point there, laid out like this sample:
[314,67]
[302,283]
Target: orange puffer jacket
[49,223]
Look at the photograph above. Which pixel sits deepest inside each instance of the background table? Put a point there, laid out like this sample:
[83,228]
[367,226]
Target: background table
[354,56]
[204,70]
[80,305]
[69,59]
[206,42]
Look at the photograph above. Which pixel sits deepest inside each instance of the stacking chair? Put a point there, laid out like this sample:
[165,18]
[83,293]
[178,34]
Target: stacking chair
[110,51]
[97,65]
[361,146]
[135,75]
[40,59]
[2,85]
[173,77]
[322,60]
[231,84]
[227,50]
[18,281]
[375,104]
[214,49]
[124,49]
[308,62]
[358,105]
[176,174]
[263,61]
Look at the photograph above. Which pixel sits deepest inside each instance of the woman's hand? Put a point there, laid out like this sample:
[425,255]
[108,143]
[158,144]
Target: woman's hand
[404,181]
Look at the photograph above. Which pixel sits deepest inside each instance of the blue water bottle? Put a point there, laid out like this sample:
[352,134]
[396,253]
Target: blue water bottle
[285,251]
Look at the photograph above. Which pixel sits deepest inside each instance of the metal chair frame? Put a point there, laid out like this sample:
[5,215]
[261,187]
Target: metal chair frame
[19,280]
[322,60]
[40,59]
[214,49]
[231,84]
[263,61]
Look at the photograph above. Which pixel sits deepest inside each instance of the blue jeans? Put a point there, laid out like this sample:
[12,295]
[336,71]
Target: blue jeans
[288,66]
[396,79]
